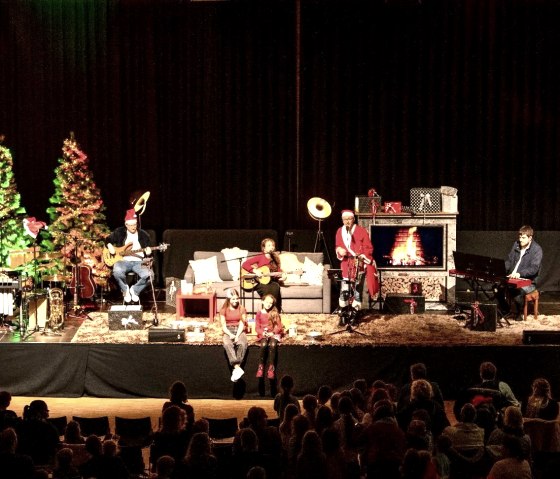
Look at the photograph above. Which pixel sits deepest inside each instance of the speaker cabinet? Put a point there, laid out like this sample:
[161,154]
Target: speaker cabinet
[166,335]
[400,303]
[541,337]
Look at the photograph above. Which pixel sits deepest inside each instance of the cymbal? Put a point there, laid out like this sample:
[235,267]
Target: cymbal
[49,255]
[318,208]
[57,277]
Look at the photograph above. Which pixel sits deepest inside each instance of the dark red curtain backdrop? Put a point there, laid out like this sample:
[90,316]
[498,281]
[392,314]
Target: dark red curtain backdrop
[234,113]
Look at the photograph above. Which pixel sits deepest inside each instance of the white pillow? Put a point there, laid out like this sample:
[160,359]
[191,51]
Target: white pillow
[206,270]
[313,273]
[232,263]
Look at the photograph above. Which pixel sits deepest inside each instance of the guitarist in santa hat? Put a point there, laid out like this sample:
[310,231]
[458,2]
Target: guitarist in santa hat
[130,246]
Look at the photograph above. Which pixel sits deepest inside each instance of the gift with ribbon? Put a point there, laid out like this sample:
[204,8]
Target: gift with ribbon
[425,200]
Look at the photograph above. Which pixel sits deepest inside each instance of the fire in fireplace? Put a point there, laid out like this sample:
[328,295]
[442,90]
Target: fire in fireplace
[409,246]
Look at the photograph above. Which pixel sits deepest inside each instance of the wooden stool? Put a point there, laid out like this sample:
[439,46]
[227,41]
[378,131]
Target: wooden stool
[533,297]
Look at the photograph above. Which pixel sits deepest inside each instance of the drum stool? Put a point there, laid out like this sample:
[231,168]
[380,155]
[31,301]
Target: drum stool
[532,297]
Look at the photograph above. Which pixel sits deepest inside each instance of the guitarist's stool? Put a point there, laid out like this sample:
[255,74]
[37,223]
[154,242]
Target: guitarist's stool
[532,297]
[131,278]
[187,304]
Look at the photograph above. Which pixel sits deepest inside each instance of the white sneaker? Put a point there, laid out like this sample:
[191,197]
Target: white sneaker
[236,374]
[127,296]
[133,295]
[356,304]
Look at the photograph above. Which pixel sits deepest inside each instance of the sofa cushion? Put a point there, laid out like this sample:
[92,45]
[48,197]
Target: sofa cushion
[291,264]
[312,272]
[223,270]
[232,257]
[206,270]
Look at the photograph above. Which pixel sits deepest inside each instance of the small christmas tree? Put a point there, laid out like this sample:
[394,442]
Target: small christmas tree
[12,234]
[78,224]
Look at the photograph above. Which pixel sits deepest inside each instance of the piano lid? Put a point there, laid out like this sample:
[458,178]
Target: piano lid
[479,265]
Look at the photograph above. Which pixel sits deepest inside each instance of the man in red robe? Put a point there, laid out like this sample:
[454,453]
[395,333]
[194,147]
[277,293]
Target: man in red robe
[355,252]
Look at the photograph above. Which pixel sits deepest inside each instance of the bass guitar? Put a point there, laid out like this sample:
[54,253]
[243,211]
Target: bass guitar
[126,250]
[250,280]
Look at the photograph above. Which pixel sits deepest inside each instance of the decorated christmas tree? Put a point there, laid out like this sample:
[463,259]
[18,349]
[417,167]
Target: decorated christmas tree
[12,234]
[78,224]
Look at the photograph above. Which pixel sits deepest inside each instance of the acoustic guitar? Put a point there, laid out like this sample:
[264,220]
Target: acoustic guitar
[250,280]
[126,250]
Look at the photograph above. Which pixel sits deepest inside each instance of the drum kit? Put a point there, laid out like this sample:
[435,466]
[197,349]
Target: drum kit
[27,285]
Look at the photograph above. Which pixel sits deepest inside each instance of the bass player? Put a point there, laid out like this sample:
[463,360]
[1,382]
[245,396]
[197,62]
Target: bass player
[268,259]
[132,239]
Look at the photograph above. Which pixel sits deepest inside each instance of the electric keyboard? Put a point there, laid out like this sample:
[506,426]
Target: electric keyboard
[489,278]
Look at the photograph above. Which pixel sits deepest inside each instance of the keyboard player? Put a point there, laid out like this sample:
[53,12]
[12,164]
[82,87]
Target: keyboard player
[524,261]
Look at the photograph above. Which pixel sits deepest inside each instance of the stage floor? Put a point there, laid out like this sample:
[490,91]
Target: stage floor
[89,359]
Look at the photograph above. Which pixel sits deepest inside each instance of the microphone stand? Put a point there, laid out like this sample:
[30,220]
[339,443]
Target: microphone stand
[149,264]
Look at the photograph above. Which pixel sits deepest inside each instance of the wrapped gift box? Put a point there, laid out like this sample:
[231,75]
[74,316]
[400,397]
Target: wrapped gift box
[483,316]
[400,303]
[125,317]
[393,207]
[365,204]
[425,200]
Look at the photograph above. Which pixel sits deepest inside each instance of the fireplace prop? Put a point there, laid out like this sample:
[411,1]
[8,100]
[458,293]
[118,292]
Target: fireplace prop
[409,247]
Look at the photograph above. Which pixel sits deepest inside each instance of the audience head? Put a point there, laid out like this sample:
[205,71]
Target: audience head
[249,440]
[423,415]
[256,472]
[311,444]
[199,446]
[8,441]
[357,398]
[110,448]
[513,419]
[73,433]
[287,383]
[361,384]
[335,399]
[421,389]
[418,371]
[172,419]
[541,388]
[309,402]
[257,417]
[178,392]
[5,400]
[383,409]
[94,446]
[345,406]
[64,457]
[488,371]
[324,394]
[300,425]
[37,409]
[165,466]
[415,463]
[290,411]
[323,418]
[468,413]
[201,425]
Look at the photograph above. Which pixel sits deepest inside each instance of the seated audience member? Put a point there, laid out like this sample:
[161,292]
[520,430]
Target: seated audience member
[13,465]
[257,472]
[311,461]
[285,396]
[299,427]
[339,465]
[347,426]
[63,465]
[490,389]
[324,419]
[514,464]
[178,397]
[486,419]
[333,403]
[422,415]
[418,464]
[441,457]
[466,434]
[375,397]
[165,467]
[93,467]
[513,426]
[418,371]
[324,395]
[113,465]
[421,397]
[285,427]
[417,436]
[247,456]
[359,402]
[540,403]
[8,418]
[383,443]
[172,439]
[73,433]
[309,403]
[199,462]
[36,436]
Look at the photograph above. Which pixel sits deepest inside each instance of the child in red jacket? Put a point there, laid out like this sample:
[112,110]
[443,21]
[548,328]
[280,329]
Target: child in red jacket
[268,325]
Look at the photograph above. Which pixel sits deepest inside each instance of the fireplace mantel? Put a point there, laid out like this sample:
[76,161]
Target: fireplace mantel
[437,286]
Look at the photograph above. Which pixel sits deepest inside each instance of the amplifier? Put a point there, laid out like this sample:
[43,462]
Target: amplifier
[125,317]
[541,337]
[166,335]
[401,303]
